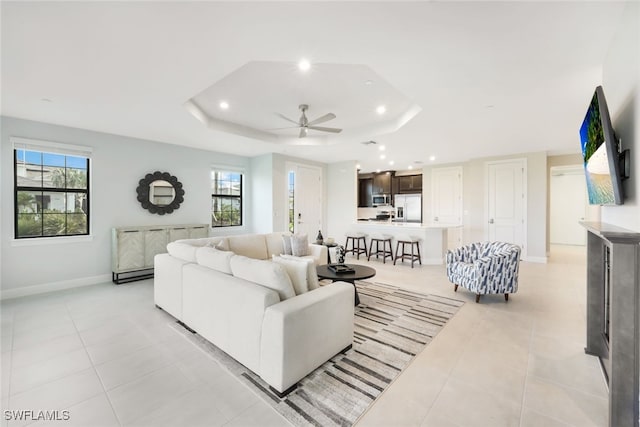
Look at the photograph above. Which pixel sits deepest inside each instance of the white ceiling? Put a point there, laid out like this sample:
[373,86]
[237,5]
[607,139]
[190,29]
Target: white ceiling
[491,78]
[259,90]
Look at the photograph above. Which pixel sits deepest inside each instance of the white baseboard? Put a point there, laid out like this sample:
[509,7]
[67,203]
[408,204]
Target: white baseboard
[54,286]
[538,259]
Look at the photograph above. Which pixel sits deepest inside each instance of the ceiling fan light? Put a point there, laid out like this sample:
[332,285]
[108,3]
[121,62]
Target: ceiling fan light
[304,65]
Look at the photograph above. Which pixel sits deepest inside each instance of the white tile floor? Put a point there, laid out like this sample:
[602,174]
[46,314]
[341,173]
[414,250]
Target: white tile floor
[106,354]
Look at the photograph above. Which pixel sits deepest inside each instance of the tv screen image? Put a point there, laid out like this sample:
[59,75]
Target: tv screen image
[600,153]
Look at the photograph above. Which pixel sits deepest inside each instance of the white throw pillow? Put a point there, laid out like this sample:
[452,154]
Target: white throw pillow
[286,242]
[312,273]
[214,259]
[265,273]
[297,272]
[299,245]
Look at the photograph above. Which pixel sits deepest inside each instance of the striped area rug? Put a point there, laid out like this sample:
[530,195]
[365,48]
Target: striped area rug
[392,326]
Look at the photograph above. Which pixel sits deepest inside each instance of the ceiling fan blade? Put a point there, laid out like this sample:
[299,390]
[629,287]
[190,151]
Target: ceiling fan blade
[285,128]
[322,119]
[323,129]
[282,116]
[303,132]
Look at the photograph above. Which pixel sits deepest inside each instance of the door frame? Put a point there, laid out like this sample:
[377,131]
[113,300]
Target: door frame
[525,197]
[577,169]
[291,166]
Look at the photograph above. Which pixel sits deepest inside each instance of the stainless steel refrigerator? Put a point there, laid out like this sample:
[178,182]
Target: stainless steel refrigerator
[408,207]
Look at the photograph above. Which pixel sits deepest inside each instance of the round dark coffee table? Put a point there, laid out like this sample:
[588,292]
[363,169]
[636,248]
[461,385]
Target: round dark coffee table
[360,272]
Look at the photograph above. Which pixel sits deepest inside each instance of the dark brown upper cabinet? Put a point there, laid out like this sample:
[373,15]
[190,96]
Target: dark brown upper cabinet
[382,183]
[409,183]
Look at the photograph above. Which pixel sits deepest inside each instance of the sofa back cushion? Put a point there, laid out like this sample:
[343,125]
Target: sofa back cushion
[219,242]
[265,273]
[183,251]
[249,245]
[215,259]
[275,244]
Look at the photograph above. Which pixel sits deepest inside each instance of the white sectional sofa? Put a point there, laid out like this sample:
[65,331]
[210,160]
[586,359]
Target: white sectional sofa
[246,305]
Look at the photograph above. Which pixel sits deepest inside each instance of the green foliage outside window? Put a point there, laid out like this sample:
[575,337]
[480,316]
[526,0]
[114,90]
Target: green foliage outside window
[52,195]
[226,199]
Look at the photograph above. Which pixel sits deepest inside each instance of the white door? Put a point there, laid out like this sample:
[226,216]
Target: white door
[446,201]
[568,205]
[506,201]
[307,200]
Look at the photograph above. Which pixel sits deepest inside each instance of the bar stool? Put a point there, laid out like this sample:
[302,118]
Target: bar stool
[408,240]
[384,239]
[355,239]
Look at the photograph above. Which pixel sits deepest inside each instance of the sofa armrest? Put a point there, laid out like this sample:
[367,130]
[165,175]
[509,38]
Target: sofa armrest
[318,253]
[302,333]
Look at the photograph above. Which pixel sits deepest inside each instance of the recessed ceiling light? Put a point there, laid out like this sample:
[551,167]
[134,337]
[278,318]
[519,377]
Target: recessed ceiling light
[391,163]
[381,148]
[224,105]
[381,109]
[304,65]
[382,156]
[410,167]
[45,100]
[432,158]
[368,82]
[378,170]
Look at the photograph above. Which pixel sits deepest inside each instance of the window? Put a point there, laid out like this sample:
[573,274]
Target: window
[226,199]
[292,179]
[51,191]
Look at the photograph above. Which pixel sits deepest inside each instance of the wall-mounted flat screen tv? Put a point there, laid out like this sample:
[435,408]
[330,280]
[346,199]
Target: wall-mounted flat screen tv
[600,154]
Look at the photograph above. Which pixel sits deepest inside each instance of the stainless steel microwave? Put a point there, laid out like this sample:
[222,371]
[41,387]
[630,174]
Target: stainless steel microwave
[381,200]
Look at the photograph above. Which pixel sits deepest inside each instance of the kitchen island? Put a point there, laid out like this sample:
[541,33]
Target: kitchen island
[433,244]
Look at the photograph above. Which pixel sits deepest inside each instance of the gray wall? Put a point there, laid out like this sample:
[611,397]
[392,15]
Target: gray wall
[621,84]
[118,163]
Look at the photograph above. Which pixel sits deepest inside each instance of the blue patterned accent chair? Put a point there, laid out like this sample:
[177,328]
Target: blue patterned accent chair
[485,268]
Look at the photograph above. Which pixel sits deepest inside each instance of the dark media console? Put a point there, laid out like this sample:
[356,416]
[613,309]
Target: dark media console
[613,318]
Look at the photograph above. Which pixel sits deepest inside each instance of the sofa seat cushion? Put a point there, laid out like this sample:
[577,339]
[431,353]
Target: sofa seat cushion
[215,259]
[248,245]
[265,273]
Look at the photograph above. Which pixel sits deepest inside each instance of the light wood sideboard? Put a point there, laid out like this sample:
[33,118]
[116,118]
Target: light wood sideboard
[133,248]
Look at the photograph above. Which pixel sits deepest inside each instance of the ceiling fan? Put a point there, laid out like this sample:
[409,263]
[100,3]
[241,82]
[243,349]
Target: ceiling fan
[304,124]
